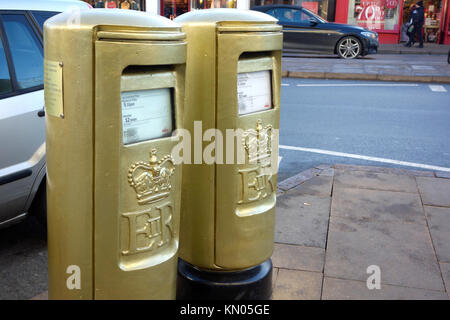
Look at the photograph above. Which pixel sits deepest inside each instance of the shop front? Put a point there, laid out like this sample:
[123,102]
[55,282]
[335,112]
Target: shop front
[389,18]
[323,8]
[173,8]
[118,4]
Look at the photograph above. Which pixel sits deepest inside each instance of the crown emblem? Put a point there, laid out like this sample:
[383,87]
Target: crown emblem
[258,143]
[151,180]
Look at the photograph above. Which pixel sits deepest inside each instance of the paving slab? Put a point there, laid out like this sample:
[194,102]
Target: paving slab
[374,180]
[441,174]
[274,277]
[339,289]
[434,191]
[316,186]
[386,67]
[327,172]
[302,220]
[429,48]
[377,205]
[297,285]
[298,257]
[397,171]
[299,178]
[403,251]
[445,269]
[439,223]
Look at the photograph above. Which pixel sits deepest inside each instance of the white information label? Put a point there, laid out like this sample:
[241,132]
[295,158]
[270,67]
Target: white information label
[146,114]
[254,91]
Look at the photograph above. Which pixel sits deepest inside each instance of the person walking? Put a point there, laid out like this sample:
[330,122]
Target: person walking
[418,21]
[410,26]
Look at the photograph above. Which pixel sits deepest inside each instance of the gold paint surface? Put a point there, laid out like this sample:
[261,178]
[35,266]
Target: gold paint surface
[228,209]
[125,248]
[53,84]
[137,243]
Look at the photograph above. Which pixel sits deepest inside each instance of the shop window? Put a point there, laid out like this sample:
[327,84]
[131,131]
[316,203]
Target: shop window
[206,4]
[173,8]
[319,7]
[120,4]
[433,13]
[377,15]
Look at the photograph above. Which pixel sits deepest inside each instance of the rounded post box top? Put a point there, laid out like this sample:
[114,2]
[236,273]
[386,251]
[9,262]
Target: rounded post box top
[223,15]
[89,18]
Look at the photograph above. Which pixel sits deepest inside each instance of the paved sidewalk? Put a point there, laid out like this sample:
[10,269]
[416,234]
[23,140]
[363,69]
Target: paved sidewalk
[332,223]
[399,48]
[383,67]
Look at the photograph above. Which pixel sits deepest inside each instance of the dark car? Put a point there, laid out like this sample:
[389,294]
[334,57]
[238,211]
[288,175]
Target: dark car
[306,31]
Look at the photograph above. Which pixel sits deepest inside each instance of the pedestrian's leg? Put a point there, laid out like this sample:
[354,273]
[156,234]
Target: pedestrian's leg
[408,44]
[410,36]
[419,34]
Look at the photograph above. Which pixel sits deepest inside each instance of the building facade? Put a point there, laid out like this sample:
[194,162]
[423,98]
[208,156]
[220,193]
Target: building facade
[387,17]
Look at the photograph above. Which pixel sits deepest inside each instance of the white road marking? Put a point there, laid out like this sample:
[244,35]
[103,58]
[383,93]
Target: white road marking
[358,85]
[361,157]
[437,88]
[285,84]
[416,67]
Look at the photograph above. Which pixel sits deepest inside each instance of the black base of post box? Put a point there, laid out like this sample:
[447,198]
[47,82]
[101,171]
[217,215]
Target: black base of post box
[250,284]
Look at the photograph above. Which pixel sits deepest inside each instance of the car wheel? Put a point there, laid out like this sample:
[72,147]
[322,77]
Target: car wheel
[39,206]
[348,48]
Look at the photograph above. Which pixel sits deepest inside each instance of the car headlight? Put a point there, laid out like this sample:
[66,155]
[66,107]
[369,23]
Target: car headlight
[367,34]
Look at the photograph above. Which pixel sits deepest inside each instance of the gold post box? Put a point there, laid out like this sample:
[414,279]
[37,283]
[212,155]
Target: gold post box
[233,80]
[114,85]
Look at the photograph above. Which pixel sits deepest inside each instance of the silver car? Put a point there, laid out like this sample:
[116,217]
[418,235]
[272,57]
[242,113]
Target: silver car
[22,123]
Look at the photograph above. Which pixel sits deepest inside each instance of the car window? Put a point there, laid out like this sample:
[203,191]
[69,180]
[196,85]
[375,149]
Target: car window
[5,80]
[41,16]
[276,13]
[26,50]
[311,14]
[290,15]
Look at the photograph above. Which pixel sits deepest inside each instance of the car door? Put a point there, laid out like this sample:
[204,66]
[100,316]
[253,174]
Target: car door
[299,32]
[325,34]
[22,131]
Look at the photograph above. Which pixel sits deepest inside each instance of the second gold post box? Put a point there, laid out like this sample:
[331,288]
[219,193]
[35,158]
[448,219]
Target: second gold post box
[114,95]
[233,80]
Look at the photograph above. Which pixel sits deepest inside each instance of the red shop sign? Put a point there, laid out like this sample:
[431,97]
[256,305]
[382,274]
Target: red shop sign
[110,4]
[391,4]
[370,13]
[378,3]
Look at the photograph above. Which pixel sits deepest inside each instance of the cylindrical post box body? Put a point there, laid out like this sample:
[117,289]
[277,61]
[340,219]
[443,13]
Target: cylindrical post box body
[233,81]
[114,84]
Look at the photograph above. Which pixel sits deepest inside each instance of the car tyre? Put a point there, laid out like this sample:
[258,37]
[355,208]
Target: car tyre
[39,207]
[349,48]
